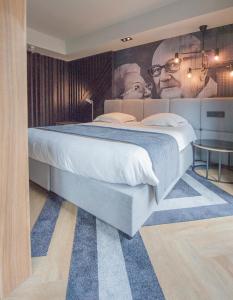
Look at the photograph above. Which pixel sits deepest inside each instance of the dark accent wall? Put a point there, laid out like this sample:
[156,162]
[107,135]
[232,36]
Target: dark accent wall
[90,77]
[57,89]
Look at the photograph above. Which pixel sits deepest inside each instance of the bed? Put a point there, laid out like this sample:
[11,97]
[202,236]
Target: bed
[118,189]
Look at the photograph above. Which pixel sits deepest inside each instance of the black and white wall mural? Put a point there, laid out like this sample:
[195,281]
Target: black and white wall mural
[196,65]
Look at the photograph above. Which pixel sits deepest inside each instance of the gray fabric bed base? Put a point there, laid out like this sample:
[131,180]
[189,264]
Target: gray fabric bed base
[120,205]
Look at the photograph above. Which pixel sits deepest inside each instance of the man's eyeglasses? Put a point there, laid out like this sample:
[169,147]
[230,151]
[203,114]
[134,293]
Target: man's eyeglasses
[170,67]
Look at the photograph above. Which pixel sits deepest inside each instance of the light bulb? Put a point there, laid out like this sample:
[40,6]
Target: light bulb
[189,74]
[176,60]
[216,54]
[231,70]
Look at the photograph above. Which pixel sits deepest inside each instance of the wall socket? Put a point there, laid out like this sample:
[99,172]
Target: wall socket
[216,114]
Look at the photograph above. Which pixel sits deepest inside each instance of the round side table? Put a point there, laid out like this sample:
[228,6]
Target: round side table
[209,146]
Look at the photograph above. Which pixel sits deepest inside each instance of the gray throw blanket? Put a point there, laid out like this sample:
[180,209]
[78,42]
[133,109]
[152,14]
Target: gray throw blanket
[162,148]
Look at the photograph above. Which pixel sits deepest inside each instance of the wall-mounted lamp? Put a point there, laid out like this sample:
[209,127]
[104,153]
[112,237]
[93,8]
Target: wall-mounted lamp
[189,74]
[92,104]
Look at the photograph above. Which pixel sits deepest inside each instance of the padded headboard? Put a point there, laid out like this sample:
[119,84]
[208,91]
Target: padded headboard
[137,107]
[212,117]
[133,107]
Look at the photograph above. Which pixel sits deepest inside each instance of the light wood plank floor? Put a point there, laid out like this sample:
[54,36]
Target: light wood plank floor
[193,260]
[49,273]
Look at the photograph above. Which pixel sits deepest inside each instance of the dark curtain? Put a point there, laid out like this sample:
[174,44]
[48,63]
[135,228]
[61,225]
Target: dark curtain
[48,90]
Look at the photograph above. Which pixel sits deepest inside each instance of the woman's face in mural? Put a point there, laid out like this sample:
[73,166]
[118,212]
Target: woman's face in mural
[129,83]
[135,87]
[170,78]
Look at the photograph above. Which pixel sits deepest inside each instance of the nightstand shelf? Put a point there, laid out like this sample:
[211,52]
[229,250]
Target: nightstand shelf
[210,146]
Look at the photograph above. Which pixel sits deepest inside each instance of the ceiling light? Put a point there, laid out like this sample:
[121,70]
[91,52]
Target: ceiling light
[31,48]
[205,56]
[126,39]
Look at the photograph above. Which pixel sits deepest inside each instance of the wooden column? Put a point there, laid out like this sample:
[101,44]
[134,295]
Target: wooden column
[15,261]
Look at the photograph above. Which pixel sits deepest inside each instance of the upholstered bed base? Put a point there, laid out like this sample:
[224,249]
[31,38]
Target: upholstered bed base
[120,205]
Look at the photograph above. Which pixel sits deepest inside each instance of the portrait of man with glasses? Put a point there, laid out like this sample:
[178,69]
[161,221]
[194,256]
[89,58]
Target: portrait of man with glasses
[170,76]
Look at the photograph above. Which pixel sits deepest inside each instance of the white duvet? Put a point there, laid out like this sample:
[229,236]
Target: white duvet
[110,161]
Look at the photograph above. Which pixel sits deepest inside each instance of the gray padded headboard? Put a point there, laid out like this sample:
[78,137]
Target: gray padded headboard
[210,118]
[137,107]
[133,107]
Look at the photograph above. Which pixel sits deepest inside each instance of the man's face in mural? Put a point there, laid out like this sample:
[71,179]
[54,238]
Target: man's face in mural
[170,78]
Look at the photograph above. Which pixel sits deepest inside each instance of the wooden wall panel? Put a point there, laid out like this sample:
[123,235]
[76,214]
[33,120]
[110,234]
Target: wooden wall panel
[48,90]
[56,88]
[90,77]
[15,258]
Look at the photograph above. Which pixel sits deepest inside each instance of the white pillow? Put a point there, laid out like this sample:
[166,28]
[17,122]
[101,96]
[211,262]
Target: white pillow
[164,119]
[115,117]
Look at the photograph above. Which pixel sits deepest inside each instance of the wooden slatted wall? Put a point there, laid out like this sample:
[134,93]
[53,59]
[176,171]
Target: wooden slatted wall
[90,77]
[56,88]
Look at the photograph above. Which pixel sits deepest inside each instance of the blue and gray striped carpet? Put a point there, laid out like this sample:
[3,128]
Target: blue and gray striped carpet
[105,264]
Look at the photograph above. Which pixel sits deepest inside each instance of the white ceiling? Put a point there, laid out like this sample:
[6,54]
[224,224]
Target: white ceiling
[71,29]
[66,19]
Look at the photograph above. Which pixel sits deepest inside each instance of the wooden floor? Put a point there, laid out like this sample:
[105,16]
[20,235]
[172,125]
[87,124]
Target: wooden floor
[193,260]
[50,273]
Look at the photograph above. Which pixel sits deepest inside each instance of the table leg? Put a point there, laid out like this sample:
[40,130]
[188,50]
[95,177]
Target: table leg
[193,157]
[229,159]
[219,166]
[207,163]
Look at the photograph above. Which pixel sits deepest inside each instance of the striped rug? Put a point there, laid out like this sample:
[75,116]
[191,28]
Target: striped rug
[105,264]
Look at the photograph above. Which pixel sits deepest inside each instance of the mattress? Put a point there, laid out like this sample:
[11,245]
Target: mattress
[103,160]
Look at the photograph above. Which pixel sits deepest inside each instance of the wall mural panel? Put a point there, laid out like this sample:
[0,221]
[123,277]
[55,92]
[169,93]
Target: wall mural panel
[56,89]
[150,71]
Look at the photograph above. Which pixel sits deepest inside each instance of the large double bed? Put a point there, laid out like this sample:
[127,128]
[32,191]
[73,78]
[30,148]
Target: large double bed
[110,177]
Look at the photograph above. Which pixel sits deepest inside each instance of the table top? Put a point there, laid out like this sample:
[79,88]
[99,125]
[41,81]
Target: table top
[214,145]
